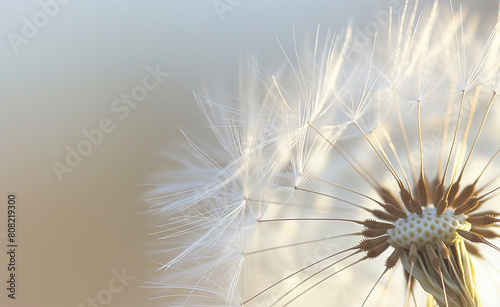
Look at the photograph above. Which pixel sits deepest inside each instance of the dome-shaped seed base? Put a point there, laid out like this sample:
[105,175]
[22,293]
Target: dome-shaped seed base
[428,228]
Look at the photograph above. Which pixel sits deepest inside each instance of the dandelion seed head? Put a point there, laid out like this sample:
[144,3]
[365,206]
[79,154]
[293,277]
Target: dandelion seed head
[376,172]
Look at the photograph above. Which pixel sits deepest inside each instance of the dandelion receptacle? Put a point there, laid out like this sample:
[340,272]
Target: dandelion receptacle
[347,177]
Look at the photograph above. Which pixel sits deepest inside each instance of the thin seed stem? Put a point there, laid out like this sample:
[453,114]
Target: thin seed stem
[312,276]
[350,190]
[395,153]
[297,272]
[419,127]
[407,145]
[324,279]
[477,136]
[389,168]
[446,127]
[454,136]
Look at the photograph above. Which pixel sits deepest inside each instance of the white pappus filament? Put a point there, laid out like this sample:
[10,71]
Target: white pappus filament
[323,176]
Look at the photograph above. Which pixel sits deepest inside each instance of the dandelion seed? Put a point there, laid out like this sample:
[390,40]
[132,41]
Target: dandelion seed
[332,165]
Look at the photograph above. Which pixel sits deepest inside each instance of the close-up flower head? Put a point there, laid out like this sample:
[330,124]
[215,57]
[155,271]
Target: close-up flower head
[362,171]
[250,153]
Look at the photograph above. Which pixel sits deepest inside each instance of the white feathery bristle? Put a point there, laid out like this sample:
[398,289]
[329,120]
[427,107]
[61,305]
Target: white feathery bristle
[314,140]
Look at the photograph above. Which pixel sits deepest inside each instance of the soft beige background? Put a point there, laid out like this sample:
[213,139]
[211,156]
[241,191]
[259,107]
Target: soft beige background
[73,234]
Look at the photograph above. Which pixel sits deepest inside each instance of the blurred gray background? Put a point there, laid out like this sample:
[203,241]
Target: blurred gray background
[64,66]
